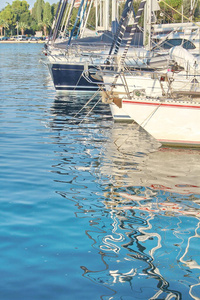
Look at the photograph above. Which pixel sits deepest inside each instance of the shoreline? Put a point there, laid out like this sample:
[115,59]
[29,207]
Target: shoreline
[24,42]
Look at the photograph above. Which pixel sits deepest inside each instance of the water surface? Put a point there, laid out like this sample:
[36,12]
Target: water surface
[90,209]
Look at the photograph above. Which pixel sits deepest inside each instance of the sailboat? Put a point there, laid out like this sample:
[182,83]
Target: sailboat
[165,103]
[66,59]
[175,33]
[176,73]
[67,62]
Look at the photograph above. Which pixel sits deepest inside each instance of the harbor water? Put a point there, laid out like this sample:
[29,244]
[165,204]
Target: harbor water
[89,209]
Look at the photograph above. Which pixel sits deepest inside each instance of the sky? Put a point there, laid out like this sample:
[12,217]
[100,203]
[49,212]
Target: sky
[3,3]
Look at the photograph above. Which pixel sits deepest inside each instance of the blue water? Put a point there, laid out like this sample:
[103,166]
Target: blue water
[89,209]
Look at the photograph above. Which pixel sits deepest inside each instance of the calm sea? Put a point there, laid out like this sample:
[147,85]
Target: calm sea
[89,209]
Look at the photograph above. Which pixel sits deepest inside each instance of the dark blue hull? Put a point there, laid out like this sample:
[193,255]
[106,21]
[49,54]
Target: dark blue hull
[68,77]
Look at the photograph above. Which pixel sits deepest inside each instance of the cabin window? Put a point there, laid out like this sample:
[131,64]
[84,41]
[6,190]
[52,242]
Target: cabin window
[177,42]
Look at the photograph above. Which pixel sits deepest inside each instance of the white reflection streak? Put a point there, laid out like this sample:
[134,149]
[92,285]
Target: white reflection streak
[108,239]
[168,297]
[191,264]
[122,277]
[146,236]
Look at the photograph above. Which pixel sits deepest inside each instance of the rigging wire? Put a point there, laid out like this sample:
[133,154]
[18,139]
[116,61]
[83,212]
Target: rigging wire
[90,110]
[93,96]
[178,12]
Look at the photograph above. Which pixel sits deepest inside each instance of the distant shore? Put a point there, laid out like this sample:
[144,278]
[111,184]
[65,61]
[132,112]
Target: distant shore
[24,42]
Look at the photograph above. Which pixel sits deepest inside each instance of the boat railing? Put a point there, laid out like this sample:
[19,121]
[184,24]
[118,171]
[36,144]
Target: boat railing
[93,72]
[88,46]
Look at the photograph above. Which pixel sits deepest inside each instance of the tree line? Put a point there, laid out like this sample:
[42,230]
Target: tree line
[18,18]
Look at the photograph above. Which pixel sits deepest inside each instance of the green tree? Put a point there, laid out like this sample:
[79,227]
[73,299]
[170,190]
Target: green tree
[197,11]
[37,11]
[92,19]
[33,26]
[40,17]
[47,12]
[23,26]
[45,25]
[186,8]
[19,7]
[1,26]
[47,18]
[54,9]
[17,12]
[170,8]
[7,15]
[5,26]
[73,18]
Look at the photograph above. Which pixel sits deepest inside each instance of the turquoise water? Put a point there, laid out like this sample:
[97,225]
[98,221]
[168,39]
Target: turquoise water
[89,209]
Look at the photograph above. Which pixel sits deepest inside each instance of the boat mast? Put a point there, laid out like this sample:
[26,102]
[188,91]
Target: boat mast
[106,14]
[76,21]
[149,17]
[60,16]
[114,16]
[102,15]
[69,16]
[147,25]
[192,5]
[54,21]
[96,14]
[82,19]
[86,19]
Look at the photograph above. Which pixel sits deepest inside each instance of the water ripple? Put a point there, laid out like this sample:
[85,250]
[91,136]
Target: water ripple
[90,209]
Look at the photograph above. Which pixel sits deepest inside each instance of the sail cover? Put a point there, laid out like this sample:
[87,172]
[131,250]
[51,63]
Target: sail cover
[185,59]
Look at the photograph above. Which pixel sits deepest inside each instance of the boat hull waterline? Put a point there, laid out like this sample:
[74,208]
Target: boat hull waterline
[171,122]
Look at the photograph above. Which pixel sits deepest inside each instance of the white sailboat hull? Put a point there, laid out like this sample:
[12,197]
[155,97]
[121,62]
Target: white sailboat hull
[118,114]
[152,84]
[170,122]
[146,86]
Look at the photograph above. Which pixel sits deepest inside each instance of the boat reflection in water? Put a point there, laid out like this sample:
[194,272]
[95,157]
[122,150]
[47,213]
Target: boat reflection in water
[142,216]
[159,191]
